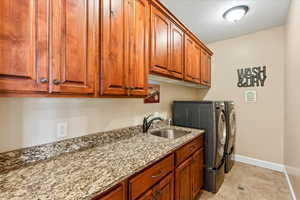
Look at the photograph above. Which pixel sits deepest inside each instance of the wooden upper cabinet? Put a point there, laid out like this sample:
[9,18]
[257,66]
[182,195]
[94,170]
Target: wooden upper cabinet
[208,80]
[125,44]
[189,51]
[192,60]
[160,41]
[114,42]
[73,46]
[24,45]
[196,63]
[205,68]
[176,51]
[139,27]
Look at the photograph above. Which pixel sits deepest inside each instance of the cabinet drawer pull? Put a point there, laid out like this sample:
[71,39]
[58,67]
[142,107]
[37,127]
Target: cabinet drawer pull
[157,175]
[44,80]
[192,148]
[56,82]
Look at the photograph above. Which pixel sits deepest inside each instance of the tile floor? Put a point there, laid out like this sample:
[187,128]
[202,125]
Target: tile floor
[247,182]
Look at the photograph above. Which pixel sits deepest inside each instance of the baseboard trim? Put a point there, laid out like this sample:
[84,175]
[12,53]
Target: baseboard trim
[260,163]
[292,192]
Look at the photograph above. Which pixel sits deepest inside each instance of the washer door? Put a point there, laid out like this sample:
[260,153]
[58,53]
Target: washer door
[232,128]
[221,137]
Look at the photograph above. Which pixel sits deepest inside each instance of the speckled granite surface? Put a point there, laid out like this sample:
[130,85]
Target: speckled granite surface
[18,158]
[87,173]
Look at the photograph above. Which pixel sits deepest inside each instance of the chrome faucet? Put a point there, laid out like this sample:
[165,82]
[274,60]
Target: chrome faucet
[169,122]
[146,124]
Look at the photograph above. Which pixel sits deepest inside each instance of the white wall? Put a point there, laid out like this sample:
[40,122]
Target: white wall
[292,96]
[31,121]
[260,126]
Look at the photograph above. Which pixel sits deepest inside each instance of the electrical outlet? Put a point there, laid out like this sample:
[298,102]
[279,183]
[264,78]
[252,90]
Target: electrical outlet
[61,130]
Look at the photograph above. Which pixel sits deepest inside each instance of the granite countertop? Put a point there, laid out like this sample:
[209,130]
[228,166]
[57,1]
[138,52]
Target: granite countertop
[87,173]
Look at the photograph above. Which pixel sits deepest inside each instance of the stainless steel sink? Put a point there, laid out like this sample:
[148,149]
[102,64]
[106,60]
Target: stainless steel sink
[170,133]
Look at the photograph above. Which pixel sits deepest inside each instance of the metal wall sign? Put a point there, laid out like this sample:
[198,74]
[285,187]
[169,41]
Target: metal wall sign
[252,76]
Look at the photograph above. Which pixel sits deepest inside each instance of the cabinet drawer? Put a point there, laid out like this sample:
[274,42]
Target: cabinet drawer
[188,149]
[146,179]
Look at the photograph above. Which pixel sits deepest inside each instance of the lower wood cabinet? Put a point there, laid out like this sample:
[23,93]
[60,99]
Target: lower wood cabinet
[150,177]
[148,195]
[197,172]
[183,181]
[116,194]
[178,176]
[162,191]
[162,180]
[189,177]
[165,189]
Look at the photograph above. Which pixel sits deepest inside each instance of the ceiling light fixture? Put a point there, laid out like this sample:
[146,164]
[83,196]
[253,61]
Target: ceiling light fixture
[236,13]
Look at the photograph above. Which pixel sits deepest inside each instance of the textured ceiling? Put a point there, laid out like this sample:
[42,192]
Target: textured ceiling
[204,17]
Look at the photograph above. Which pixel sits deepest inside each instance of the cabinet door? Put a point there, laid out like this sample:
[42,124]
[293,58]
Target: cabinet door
[24,45]
[205,68]
[160,39]
[139,25]
[117,194]
[73,46]
[162,191]
[196,68]
[208,71]
[165,189]
[147,196]
[177,52]
[114,47]
[183,183]
[189,51]
[197,172]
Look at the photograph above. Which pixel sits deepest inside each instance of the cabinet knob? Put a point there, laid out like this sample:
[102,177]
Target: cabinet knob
[157,195]
[112,13]
[56,82]
[44,80]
